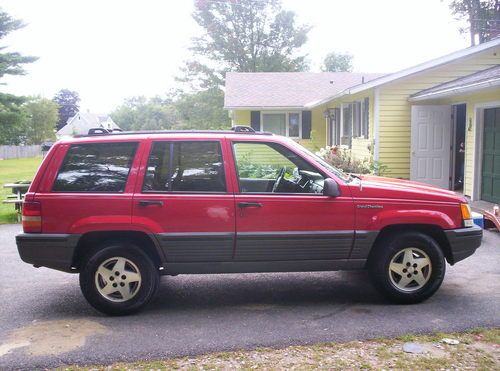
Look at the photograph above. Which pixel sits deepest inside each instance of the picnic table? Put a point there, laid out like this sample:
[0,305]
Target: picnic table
[18,190]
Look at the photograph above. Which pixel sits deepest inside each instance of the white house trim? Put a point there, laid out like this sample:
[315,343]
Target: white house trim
[426,65]
[410,71]
[458,90]
[376,123]
[262,108]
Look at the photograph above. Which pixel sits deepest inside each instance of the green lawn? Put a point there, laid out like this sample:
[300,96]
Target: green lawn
[13,171]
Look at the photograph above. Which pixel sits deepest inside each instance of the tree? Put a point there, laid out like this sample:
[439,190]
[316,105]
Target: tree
[40,118]
[203,110]
[482,16]
[337,62]
[244,36]
[69,104]
[11,63]
[11,127]
[141,113]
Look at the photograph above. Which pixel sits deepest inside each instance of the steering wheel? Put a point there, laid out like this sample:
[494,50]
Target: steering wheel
[281,174]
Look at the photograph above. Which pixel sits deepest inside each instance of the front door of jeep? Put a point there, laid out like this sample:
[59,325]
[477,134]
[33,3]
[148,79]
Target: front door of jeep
[281,212]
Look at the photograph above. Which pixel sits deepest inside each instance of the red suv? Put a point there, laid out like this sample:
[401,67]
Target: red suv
[123,209]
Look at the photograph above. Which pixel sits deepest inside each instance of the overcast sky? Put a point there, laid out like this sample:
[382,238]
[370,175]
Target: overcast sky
[109,50]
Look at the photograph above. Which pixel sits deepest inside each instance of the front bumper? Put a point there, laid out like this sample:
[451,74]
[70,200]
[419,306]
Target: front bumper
[47,250]
[463,242]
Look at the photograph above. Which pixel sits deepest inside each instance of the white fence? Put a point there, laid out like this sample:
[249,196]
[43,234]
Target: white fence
[8,152]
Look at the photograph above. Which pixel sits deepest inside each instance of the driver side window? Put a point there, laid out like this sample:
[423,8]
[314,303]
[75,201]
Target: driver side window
[272,168]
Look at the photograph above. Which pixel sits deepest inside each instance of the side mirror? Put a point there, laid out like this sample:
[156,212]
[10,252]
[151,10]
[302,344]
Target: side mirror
[331,188]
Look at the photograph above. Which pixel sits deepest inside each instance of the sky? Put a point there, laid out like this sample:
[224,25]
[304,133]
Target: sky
[109,50]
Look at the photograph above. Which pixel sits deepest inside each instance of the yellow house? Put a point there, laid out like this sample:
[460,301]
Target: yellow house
[436,123]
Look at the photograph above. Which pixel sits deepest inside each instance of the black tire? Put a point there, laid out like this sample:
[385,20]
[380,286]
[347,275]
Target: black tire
[136,262]
[391,250]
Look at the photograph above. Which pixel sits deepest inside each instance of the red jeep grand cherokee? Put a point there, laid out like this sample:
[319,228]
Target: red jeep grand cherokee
[122,209]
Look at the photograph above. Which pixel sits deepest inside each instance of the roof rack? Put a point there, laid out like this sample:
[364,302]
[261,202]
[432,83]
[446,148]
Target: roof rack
[243,129]
[239,129]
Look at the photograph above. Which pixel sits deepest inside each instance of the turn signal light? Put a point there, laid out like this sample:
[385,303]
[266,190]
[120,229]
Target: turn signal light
[32,217]
[466,215]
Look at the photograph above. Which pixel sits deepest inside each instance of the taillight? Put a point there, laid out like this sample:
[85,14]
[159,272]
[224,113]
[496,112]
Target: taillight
[32,217]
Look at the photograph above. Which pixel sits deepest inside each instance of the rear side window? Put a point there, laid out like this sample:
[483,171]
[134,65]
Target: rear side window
[95,167]
[191,166]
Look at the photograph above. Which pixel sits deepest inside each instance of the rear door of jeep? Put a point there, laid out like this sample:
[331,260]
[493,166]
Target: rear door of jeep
[183,196]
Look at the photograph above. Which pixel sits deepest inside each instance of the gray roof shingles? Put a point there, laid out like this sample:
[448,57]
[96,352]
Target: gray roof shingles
[286,89]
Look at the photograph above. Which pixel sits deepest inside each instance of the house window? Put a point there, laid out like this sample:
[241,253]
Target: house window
[346,138]
[355,121]
[288,124]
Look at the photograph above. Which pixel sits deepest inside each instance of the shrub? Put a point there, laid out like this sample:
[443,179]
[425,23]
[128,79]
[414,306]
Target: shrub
[341,158]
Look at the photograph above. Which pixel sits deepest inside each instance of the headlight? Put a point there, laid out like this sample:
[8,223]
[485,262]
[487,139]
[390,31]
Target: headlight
[466,215]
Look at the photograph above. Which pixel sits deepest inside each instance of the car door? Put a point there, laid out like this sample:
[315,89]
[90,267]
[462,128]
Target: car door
[292,220]
[184,199]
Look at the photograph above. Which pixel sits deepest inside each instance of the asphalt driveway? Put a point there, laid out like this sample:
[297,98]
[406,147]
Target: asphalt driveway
[46,322]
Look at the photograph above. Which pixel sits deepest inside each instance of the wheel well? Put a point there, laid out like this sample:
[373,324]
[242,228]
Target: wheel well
[431,230]
[93,241]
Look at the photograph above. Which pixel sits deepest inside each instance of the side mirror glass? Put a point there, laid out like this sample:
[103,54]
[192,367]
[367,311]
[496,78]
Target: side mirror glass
[331,188]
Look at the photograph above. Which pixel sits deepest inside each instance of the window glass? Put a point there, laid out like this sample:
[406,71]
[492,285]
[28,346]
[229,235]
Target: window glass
[346,125]
[95,167]
[194,166]
[356,107]
[274,123]
[272,168]
[294,125]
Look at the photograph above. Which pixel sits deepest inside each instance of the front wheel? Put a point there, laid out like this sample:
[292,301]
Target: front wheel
[407,268]
[119,279]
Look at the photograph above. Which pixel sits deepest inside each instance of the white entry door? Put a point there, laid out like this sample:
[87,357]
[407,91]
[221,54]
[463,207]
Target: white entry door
[430,145]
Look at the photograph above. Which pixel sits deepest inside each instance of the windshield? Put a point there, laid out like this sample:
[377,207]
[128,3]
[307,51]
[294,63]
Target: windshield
[333,169]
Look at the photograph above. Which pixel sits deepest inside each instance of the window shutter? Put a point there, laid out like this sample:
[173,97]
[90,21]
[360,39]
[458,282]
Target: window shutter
[255,120]
[306,124]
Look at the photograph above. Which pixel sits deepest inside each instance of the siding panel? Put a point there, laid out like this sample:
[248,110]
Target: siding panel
[395,110]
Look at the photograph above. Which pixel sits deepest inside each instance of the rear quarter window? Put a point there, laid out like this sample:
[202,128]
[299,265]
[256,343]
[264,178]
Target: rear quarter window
[95,167]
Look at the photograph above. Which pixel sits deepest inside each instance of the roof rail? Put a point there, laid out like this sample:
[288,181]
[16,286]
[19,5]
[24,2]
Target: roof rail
[242,129]
[98,131]
[234,130]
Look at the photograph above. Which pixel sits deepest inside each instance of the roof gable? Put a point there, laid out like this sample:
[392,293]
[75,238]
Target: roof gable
[82,122]
[489,77]
[426,65]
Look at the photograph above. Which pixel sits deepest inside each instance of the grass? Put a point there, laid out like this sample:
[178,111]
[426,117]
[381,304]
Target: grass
[479,349]
[13,171]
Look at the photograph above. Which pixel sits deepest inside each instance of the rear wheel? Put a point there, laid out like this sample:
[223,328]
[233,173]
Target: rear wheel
[408,267]
[119,279]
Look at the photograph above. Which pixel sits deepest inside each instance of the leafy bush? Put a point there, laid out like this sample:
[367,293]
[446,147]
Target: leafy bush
[341,158]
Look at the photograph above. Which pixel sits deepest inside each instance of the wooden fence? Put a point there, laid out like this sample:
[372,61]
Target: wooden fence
[8,152]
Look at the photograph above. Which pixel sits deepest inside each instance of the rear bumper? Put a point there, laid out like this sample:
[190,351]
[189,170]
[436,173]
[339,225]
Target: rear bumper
[463,242]
[48,250]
